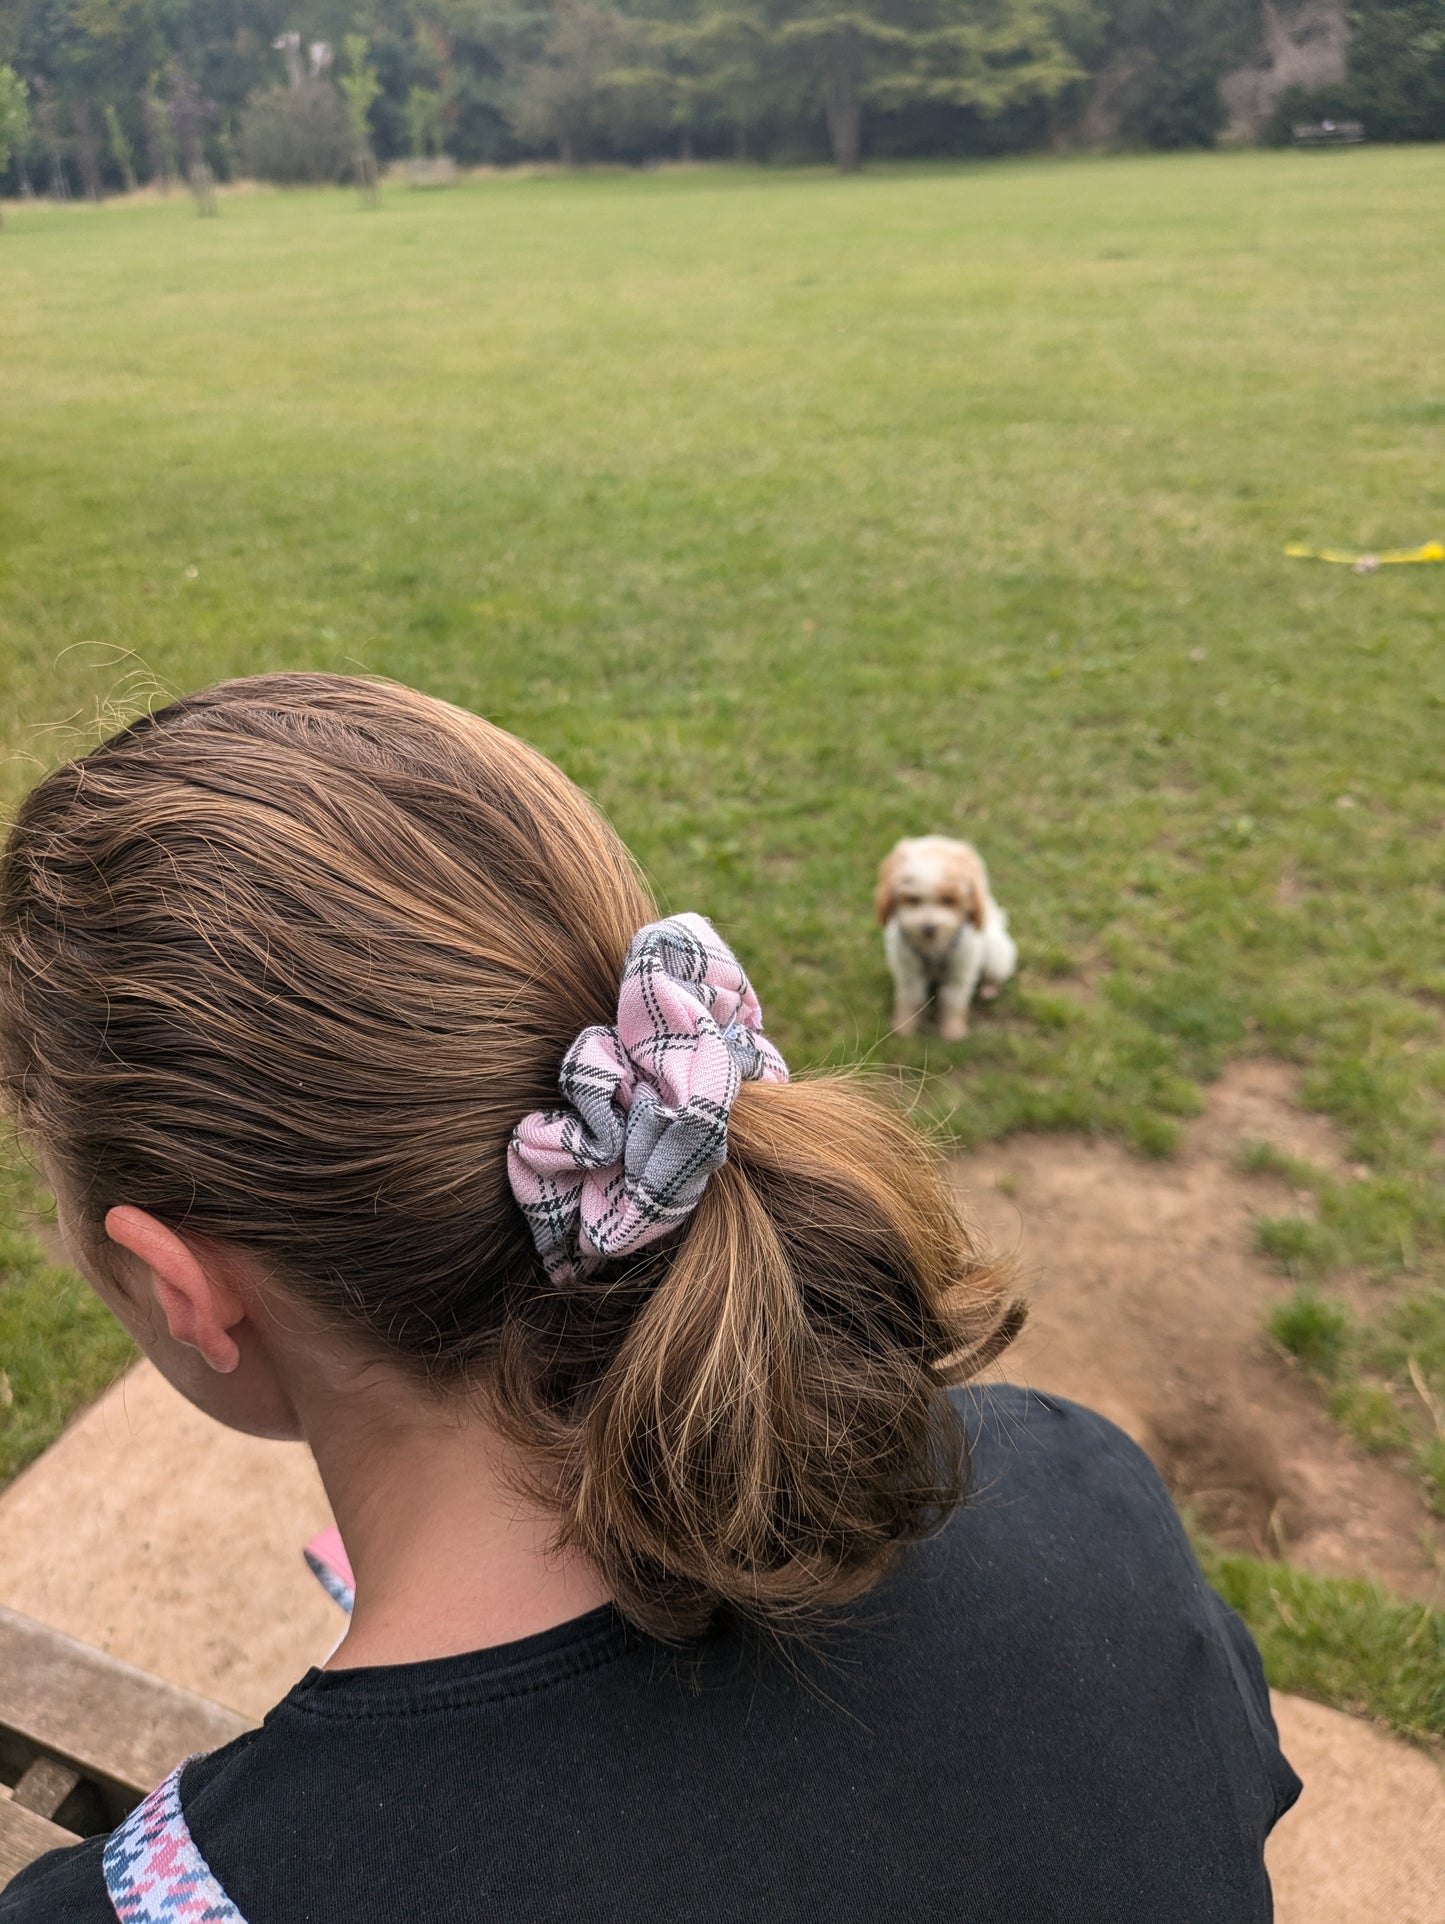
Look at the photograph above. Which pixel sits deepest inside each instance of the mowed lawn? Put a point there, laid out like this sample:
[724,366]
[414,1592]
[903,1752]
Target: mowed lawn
[794,514]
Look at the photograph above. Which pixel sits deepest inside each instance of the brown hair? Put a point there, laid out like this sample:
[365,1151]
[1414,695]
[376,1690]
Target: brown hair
[284,964]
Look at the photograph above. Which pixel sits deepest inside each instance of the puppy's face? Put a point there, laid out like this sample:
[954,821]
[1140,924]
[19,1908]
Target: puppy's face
[930,887]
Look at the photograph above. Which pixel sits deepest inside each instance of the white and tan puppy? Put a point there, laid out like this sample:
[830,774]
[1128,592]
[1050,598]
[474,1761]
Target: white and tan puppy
[943,933]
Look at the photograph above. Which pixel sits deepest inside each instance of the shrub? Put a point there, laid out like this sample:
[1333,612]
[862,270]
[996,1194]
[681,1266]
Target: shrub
[296,134]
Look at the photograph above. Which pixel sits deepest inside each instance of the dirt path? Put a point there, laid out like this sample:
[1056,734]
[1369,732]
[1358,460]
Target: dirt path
[1149,1303]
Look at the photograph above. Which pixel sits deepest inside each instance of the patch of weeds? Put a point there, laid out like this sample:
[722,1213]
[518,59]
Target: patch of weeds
[1376,1223]
[1300,1245]
[1432,1468]
[1399,1406]
[1314,1331]
[1416,1329]
[1205,1019]
[1255,1157]
[1051,959]
[1048,1011]
[1371,1415]
[1178,1096]
[1408,1347]
[1341,1640]
[1152,1135]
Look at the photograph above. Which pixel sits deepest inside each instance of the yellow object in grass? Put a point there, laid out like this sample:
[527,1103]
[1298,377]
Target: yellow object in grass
[1365,564]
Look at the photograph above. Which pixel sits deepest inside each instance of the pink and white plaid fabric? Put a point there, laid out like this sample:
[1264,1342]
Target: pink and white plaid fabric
[648,1099]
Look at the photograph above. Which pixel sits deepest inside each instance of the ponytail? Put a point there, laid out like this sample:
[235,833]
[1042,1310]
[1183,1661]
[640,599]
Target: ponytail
[770,1428]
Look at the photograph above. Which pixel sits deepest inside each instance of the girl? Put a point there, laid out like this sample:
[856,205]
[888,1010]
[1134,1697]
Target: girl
[384,1113]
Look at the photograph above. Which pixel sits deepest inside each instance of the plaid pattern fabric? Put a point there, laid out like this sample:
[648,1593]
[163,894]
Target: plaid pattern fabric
[331,1581]
[153,1872]
[648,1098]
[328,1562]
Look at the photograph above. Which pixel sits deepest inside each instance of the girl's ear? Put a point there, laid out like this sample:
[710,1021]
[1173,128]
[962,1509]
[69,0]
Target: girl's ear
[200,1309]
[886,894]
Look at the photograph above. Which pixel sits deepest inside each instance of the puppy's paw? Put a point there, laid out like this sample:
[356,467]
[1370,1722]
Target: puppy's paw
[905,1024]
[953,1028]
[988,991]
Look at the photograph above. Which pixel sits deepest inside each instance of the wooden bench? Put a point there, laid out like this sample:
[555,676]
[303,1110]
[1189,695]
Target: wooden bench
[1327,133]
[83,1738]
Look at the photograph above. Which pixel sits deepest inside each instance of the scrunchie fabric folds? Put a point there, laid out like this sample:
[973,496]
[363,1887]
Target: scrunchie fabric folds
[647,1100]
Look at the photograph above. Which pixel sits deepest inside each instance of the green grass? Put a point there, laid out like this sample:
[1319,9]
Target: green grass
[791,515]
[58,1346]
[1377,1377]
[1345,1642]
[1315,1332]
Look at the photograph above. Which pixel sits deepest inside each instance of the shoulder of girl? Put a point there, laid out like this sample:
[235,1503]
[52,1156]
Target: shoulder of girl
[1028,1419]
[1031,1442]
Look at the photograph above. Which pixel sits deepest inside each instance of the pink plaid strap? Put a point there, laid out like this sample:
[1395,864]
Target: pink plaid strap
[153,1872]
[648,1102]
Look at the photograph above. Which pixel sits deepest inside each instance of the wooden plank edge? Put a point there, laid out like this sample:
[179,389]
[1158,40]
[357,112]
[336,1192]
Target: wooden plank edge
[116,1724]
[24,1837]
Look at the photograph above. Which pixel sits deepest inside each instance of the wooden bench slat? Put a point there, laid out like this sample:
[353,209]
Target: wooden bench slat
[24,1837]
[45,1786]
[114,1723]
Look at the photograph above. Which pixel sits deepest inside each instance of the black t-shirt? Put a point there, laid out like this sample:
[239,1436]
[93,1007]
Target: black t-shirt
[1041,1715]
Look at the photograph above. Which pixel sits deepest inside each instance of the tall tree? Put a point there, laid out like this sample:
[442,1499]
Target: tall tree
[189,112]
[987,55]
[425,128]
[14,118]
[1397,68]
[360,87]
[691,73]
[581,90]
[120,147]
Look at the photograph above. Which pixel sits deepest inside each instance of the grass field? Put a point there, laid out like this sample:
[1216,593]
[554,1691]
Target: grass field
[793,514]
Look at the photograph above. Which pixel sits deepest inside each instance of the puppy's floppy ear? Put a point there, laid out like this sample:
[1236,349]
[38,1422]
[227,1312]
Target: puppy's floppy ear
[886,893]
[966,875]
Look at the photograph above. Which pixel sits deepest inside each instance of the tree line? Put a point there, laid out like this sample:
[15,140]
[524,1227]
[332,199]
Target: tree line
[103,94]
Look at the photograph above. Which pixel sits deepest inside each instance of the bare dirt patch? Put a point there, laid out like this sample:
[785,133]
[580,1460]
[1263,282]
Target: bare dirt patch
[1149,1303]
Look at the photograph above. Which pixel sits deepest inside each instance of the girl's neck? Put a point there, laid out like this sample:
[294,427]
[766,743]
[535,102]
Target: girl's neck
[447,1555]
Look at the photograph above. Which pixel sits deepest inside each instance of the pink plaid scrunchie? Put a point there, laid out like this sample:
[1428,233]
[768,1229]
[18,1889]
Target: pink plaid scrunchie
[647,1121]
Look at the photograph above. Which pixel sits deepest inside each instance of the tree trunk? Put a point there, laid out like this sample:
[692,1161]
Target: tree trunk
[740,142]
[367,179]
[87,151]
[684,145]
[565,151]
[845,118]
[202,183]
[157,148]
